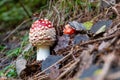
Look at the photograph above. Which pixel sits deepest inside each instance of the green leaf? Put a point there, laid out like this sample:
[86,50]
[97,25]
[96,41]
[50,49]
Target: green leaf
[9,71]
[13,53]
[97,72]
[1,73]
[2,47]
[88,25]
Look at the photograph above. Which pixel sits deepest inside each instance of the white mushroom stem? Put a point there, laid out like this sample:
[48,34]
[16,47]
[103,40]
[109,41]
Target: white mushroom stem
[43,52]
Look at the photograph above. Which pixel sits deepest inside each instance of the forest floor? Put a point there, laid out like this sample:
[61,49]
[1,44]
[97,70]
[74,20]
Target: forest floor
[97,58]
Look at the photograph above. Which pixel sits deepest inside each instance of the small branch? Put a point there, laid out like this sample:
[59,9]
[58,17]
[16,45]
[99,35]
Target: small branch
[106,67]
[26,11]
[59,19]
[100,39]
[68,69]
[114,76]
[16,29]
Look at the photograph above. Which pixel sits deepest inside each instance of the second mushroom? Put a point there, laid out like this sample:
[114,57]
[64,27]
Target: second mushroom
[42,35]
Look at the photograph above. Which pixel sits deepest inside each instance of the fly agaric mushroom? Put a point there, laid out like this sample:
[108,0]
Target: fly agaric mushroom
[72,27]
[42,35]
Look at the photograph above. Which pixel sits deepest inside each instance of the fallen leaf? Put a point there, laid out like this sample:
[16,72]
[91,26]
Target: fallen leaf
[107,3]
[99,24]
[102,29]
[49,61]
[20,65]
[89,72]
[77,26]
[88,25]
[63,42]
[79,38]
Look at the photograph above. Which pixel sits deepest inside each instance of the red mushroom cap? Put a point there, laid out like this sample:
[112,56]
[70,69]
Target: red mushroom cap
[68,30]
[41,24]
[42,32]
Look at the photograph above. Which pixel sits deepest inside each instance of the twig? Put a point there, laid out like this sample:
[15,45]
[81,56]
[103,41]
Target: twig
[100,39]
[27,48]
[25,21]
[43,77]
[68,69]
[73,57]
[64,67]
[25,9]
[114,76]
[57,18]
[106,67]
[41,13]
[116,11]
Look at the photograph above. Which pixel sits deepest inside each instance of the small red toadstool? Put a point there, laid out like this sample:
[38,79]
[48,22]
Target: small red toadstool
[72,27]
[42,35]
[68,29]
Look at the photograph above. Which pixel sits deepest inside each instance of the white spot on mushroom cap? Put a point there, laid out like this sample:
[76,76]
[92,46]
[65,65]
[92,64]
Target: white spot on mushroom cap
[46,22]
[49,25]
[49,21]
[39,25]
[42,27]
[43,21]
